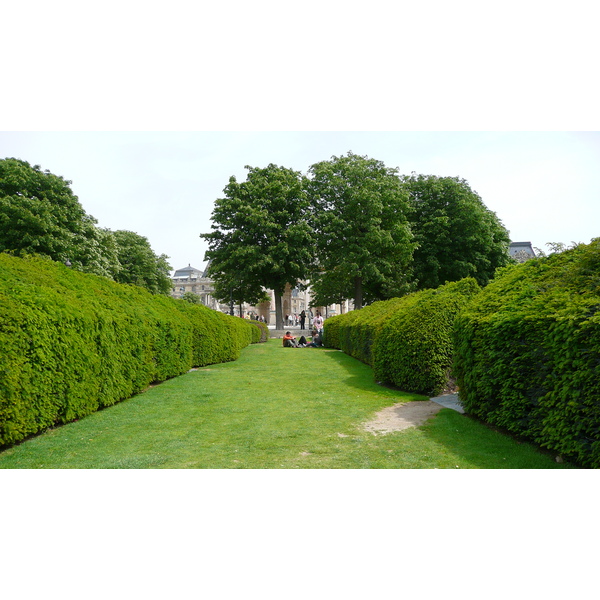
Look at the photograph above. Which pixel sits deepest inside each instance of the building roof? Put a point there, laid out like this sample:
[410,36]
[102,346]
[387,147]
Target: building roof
[188,272]
[521,251]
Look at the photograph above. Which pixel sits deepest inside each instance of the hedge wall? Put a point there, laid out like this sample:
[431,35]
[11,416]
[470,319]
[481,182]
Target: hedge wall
[260,332]
[406,340]
[528,352]
[71,343]
[355,332]
[414,349]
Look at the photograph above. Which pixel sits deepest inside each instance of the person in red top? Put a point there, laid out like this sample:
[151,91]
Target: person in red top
[289,341]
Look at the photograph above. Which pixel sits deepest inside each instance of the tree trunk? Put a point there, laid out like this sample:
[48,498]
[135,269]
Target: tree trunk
[358,293]
[278,310]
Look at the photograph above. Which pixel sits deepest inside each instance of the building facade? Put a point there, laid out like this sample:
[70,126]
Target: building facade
[521,251]
[190,279]
[294,300]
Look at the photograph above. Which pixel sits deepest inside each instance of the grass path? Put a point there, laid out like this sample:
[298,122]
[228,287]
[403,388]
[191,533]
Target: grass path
[273,408]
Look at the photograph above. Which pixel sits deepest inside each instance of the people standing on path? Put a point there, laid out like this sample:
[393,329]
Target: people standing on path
[302,319]
[318,322]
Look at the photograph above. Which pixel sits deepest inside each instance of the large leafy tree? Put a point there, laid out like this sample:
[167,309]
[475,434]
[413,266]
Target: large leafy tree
[260,233]
[457,235]
[100,255]
[333,287]
[364,242]
[139,265]
[236,288]
[40,214]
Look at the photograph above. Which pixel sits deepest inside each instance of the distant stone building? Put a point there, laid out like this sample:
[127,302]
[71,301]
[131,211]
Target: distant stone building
[521,251]
[190,279]
[294,301]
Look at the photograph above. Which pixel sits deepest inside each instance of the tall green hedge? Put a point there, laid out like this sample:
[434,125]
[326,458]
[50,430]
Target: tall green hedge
[528,352]
[355,332]
[71,343]
[260,332]
[406,340]
[414,349]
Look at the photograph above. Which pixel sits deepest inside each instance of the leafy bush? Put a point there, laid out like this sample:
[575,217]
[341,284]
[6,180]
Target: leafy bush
[355,332]
[261,332]
[414,348]
[528,352]
[72,343]
[406,340]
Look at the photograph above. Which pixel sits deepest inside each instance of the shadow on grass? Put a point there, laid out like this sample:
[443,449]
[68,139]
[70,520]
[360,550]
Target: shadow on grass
[360,376]
[485,447]
[469,439]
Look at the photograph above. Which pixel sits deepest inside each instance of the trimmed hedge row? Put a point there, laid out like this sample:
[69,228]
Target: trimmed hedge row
[406,340]
[415,348]
[72,343]
[527,352]
[260,333]
[355,332]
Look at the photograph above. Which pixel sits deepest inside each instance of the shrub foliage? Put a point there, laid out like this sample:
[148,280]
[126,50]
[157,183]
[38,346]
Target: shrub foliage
[414,349]
[406,340]
[72,343]
[355,332]
[260,332]
[528,352]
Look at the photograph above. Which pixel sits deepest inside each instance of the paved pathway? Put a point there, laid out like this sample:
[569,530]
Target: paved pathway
[296,332]
[449,401]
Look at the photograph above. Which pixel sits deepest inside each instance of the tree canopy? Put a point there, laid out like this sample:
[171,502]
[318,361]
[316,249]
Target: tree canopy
[40,214]
[260,232]
[363,240]
[457,235]
[139,265]
[237,288]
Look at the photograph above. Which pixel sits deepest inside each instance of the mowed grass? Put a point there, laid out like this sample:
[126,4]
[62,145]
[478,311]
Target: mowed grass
[274,408]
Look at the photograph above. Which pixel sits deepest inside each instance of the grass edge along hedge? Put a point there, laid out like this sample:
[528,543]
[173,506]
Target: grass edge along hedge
[408,340]
[527,353]
[72,343]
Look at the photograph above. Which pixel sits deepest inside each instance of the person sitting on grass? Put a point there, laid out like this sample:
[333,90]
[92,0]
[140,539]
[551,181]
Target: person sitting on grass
[317,340]
[289,341]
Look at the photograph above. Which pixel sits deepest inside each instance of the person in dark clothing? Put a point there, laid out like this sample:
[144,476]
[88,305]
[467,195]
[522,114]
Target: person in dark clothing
[302,319]
[317,340]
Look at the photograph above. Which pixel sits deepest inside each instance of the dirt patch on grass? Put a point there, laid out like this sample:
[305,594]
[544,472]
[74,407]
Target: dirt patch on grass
[402,416]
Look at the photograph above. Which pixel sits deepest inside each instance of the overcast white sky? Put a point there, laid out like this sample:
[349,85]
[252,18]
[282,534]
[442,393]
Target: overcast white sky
[504,96]
[544,186]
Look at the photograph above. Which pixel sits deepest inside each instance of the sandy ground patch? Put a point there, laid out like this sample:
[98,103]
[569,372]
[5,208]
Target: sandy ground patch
[402,416]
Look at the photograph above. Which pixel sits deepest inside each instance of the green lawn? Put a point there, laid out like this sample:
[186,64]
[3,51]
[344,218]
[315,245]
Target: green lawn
[273,408]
